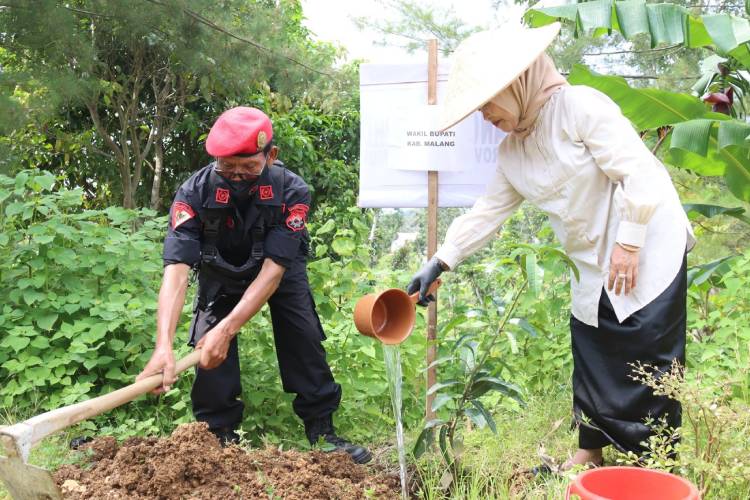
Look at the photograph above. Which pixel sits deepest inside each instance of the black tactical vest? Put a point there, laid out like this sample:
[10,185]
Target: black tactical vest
[217,276]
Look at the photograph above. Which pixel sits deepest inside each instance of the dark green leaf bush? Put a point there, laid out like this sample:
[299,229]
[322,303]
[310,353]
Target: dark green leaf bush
[78,290]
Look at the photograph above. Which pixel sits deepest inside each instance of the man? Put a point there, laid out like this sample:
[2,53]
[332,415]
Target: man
[241,222]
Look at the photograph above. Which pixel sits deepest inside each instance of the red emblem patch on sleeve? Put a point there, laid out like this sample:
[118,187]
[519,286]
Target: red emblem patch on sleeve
[181,213]
[297,217]
[266,192]
[222,195]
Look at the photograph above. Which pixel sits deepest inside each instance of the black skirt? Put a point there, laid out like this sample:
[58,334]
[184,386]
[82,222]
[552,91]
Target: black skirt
[609,406]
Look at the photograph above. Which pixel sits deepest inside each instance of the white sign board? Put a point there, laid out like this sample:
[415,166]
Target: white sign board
[399,142]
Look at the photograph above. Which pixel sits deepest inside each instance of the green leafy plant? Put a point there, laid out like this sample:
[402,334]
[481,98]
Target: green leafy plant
[709,453]
[701,140]
[474,363]
[79,290]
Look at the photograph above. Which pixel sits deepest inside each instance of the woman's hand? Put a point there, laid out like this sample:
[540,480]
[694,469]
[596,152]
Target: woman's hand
[421,281]
[623,270]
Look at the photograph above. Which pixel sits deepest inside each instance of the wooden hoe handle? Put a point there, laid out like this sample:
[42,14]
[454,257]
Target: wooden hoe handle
[33,430]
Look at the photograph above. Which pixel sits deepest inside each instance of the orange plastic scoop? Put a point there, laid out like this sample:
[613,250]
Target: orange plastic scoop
[389,315]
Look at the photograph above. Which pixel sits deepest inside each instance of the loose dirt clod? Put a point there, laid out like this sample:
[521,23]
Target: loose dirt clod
[191,464]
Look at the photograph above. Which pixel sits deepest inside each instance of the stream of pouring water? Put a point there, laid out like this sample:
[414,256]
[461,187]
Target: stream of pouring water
[392,358]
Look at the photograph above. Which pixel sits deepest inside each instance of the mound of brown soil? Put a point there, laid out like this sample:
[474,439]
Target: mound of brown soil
[191,464]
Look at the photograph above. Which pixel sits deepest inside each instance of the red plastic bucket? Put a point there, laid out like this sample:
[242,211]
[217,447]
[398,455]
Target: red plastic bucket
[630,483]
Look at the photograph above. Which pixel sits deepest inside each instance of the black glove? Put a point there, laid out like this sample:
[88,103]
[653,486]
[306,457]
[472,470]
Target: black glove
[423,279]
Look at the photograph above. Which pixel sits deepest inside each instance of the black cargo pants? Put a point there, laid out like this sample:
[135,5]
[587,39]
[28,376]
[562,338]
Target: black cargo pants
[302,359]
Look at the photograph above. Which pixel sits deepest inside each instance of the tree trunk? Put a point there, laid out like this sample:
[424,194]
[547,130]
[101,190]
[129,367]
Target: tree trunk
[128,198]
[158,166]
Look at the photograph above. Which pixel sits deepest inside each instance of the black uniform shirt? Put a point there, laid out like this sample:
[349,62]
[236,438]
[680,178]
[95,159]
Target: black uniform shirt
[285,239]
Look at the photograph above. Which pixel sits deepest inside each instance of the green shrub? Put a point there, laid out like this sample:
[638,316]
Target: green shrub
[78,290]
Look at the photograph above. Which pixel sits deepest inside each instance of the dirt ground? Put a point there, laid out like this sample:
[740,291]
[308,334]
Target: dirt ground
[190,464]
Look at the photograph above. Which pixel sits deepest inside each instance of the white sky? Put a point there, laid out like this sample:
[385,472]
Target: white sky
[331,20]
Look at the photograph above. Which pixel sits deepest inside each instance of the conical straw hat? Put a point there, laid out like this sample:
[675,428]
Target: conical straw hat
[487,62]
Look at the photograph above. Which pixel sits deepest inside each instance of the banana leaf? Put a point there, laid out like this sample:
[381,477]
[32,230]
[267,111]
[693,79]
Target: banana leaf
[646,108]
[705,142]
[664,23]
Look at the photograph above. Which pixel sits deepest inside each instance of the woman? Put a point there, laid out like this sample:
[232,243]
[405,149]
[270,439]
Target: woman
[612,205]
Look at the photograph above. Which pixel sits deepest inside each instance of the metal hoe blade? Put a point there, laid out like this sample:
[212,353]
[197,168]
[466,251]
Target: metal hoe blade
[24,481]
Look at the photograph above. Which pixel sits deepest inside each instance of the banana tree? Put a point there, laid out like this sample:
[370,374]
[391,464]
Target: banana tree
[704,139]
[701,140]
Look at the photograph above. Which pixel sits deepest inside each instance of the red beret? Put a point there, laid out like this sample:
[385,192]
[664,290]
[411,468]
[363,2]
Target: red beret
[239,131]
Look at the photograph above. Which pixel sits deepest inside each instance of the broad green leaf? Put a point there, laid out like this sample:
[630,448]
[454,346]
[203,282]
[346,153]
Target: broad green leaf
[667,23]
[329,226]
[692,135]
[727,31]
[647,108]
[476,416]
[468,354]
[650,108]
[733,133]
[595,14]
[484,384]
[45,181]
[114,373]
[440,401]
[463,338]
[116,344]
[443,444]
[15,343]
[737,173]
[343,246]
[486,414]
[33,360]
[12,365]
[711,165]
[564,257]
[697,36]
[548,15]
[525,325]
[440,361]
[632,18]
[424,441]
[533,273]
[40,342]
[453,323]
[699,274]
[435,422]
[46,321]
[694,209]
[44,239]
[442,385]
[14,208]
[32,296]
[742,54]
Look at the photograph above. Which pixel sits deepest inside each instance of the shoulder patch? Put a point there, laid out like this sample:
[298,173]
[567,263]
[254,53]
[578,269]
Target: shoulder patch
[266,192]
[181,213]
[222,195]
[297,217]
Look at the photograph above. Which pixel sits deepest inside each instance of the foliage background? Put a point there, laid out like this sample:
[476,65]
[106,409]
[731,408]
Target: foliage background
[81,273]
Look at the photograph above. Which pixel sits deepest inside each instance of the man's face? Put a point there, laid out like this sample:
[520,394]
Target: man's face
[245,168]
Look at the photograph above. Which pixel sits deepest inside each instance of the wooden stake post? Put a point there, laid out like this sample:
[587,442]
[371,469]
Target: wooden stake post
[432,219]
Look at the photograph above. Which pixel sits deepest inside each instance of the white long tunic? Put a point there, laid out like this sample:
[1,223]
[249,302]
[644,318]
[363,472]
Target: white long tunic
[587,168]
